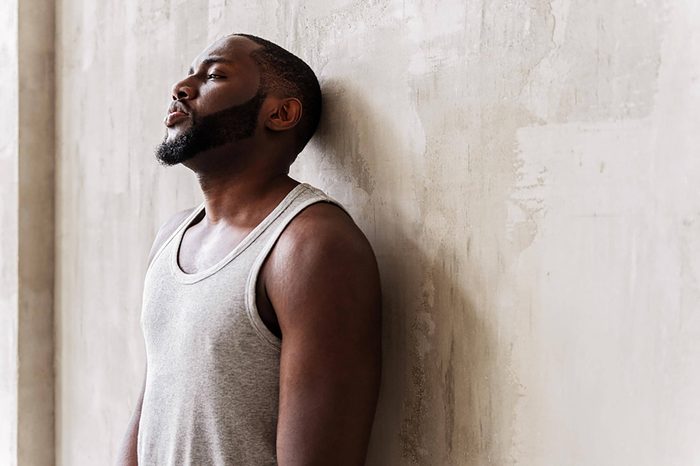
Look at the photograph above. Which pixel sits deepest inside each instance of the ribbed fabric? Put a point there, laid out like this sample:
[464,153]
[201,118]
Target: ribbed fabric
[212,383]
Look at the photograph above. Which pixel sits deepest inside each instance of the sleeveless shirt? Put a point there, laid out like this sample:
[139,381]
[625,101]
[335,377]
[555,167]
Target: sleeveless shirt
[212,383]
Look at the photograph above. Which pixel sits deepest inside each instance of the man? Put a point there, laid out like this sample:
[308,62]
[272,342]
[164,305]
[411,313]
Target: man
[262,306]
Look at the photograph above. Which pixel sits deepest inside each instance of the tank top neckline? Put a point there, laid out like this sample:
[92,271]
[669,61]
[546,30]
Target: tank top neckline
[190,278]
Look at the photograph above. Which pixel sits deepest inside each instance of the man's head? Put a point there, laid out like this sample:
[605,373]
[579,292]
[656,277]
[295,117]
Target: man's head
[242,91]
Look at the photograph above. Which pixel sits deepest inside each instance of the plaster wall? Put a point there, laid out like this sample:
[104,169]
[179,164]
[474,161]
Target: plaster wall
[526,171]
[9,195]
[26,233]
[35,271]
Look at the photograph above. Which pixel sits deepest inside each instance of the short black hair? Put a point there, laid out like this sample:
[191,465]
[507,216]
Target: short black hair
[285,74]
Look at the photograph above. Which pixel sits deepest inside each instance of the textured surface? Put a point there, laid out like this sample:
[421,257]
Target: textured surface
[526,171]
[9,196]
[36,175]
[26,233]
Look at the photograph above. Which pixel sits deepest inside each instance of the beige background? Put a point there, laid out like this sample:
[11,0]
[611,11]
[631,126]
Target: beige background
[527,172]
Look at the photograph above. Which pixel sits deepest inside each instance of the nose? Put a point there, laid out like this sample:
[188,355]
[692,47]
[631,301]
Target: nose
[183,90]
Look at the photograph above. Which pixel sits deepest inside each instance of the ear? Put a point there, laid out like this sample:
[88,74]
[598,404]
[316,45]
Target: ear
[284,115]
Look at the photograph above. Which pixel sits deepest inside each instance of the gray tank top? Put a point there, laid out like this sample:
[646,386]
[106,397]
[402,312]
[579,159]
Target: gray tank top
[212,384]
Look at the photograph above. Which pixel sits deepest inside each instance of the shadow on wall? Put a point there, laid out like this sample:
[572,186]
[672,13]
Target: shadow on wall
[438,355]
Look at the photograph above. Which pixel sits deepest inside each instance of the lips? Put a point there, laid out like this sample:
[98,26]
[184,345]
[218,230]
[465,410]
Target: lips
[175,117]
[176,113]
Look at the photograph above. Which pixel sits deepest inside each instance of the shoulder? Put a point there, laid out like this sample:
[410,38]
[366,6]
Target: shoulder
[167,229]
[326,233]
[322,259]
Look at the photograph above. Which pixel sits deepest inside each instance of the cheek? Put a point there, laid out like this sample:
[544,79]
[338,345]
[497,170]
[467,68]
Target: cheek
[215,96]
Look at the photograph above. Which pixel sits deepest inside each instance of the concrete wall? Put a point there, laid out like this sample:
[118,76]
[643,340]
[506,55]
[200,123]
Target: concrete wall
[526,170]
[9,195]
[27,233]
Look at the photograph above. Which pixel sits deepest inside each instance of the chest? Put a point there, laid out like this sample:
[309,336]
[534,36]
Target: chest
[201,250]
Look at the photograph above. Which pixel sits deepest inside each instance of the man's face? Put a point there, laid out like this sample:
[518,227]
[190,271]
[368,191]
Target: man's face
[217,103]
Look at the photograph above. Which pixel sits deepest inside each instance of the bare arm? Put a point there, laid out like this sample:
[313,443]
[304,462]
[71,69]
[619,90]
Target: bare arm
[127,455]
[323,283]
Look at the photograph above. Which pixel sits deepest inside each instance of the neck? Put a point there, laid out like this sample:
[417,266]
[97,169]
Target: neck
[237,198]
[238,184]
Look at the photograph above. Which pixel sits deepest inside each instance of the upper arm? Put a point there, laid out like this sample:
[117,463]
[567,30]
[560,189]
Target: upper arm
[323,284]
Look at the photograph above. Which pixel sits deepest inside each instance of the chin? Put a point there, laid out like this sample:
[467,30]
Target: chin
[173,133]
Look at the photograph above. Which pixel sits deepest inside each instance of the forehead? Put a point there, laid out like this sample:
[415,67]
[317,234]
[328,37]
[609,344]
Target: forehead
[231,50]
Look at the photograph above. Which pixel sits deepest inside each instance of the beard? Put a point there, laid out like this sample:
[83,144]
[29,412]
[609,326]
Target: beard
[228,125]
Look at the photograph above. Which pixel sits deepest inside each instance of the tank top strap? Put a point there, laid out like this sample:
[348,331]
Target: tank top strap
[310,195]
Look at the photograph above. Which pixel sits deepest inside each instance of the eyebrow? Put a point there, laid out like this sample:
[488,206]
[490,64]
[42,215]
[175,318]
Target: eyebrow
[210,60]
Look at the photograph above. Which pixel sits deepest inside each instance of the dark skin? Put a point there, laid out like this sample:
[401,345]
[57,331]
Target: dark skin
[319,287]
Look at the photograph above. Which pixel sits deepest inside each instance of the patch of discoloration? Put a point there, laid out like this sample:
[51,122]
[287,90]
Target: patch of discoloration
[415,410]
[467,207]
[350,161]
[526,205]
[448,386]
[603,64]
